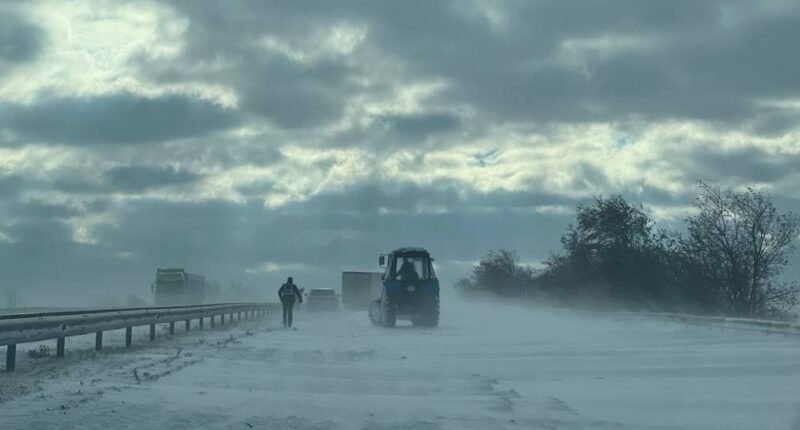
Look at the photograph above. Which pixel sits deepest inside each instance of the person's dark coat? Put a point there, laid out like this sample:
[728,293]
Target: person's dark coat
[289,291]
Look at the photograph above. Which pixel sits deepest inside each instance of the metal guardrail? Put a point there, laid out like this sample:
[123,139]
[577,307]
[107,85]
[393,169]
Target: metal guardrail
[23,328]
[765,326]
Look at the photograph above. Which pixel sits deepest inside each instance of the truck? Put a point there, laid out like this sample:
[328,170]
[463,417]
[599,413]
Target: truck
[358,288]
[410,289]
[177,287]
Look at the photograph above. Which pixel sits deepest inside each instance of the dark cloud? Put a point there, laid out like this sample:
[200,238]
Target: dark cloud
[39,209]
[230,237]
[412,200]
[74,184]
[774,123]
[748,165]
[116,118]
[140,178]
[373,199]
[294,95]
[10,185]
[46,266]
[291,93]
[20,40]
[695,59]
[256,189]
[421,124]
[532,66]
[223,239]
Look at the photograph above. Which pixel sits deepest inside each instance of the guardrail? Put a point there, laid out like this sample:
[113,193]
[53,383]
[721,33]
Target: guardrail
[34,327]
[765,326]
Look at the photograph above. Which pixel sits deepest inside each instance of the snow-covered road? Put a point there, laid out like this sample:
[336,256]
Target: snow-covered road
[486,367]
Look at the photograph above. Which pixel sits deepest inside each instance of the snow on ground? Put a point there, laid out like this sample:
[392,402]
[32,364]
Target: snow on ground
[486,367]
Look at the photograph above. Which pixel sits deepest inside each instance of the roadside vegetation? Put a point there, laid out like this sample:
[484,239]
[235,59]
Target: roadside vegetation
[727,261]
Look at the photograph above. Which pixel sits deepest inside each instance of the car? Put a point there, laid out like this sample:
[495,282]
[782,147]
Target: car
[322,299]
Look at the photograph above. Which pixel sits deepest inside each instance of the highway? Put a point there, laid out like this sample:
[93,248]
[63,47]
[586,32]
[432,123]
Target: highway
[486,367]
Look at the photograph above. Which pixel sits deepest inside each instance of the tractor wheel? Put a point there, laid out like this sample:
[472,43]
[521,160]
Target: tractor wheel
[389,312]
[430,316]
[375,313]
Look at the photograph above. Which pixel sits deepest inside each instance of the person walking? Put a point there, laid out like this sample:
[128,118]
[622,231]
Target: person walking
[288,293]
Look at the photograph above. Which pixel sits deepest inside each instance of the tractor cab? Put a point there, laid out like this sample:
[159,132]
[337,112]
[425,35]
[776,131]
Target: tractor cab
[408,266]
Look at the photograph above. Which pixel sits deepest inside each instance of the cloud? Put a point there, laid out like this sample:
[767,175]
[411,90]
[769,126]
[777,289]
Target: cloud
[122,118]
[20,40]
[749,164]
[10,185]
[508,62]
[37,209]
[272,267]
[140,178]
[293,95]
[241,138]
[421,124]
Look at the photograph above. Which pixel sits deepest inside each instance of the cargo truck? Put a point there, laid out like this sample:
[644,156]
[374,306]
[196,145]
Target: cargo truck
[358,288]
[177,287]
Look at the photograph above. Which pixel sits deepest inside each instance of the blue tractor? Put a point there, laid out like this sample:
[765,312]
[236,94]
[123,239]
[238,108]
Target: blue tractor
[410,290]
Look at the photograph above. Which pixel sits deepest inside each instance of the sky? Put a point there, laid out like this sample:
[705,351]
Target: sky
[253,140]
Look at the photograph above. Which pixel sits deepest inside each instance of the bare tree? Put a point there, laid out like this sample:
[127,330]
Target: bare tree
[738,243]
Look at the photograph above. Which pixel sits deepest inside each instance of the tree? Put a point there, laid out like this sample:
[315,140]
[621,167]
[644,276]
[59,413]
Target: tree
[611,252]
[737,244]
[501,273]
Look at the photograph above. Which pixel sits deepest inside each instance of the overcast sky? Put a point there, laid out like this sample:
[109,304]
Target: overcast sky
[252,140]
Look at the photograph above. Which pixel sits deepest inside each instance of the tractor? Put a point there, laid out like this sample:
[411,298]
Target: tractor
[410,290]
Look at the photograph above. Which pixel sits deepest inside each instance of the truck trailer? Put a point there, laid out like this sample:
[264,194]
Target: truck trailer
[177,287]
[358,288]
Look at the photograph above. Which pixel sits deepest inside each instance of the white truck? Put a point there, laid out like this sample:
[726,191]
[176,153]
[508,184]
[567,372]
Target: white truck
[358,288]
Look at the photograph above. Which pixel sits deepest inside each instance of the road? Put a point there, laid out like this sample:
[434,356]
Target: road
[486,367]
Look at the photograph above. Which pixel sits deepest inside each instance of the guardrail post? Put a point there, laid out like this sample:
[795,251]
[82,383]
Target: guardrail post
[98,341]
[152,332]
[60,347]
[221,319]
[187,325]
[201,323]
[239,318]
[172,328]
[212,321]
[128,337]
[11,357]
